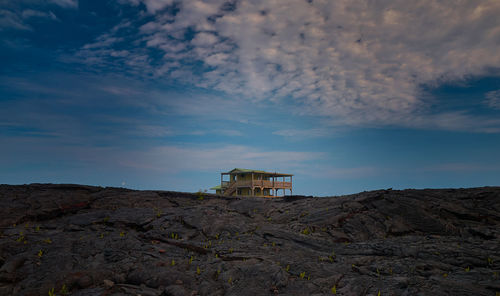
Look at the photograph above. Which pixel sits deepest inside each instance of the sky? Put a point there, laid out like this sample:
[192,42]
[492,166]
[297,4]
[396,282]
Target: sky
[347,95]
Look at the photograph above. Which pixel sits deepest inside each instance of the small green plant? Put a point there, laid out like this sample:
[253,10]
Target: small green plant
[217,236]
[306,231]
[191,260]
[287,268]
[198,270]
[302,274]
[334,289]
[47,241]
[490,261]
[51,292]
[199,194]
[105,220]
[273,244]
[173,262]
[122,234]
[40,254]
[158,213]
[230,280]
[378,293]
[445,275]
[20,239]
[64,290]
[231,250]
[37,228]
[467,269]
[378,272]
[102,235]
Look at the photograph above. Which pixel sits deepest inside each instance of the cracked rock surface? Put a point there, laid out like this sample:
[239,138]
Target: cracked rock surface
[84,240]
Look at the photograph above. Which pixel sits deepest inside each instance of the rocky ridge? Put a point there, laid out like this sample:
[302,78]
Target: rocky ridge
[84,240]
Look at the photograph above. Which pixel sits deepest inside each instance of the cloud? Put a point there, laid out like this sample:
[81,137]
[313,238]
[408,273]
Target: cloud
[66,3]
[493,99]
[355,62]
[177,159]
[29,13]
[10,20]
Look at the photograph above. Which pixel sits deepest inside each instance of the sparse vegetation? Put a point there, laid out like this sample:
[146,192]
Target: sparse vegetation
[306,231]
[64,290]
[51,292]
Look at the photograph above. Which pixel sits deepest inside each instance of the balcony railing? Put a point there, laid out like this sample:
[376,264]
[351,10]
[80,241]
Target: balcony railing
[260,183]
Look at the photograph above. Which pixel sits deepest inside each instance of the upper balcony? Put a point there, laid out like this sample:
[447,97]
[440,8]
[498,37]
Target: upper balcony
[258,183]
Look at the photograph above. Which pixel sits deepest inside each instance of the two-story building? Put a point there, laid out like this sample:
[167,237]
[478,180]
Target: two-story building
[254,183]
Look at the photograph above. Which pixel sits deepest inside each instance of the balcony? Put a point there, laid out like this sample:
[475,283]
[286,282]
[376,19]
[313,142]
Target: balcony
[259,183]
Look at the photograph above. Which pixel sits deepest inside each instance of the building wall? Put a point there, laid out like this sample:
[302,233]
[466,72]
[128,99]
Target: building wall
[244,191]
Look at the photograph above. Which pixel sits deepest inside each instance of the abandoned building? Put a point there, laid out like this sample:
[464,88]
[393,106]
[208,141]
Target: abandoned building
[254,183]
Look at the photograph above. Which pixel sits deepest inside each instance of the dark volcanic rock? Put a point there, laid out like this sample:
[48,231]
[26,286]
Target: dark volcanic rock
[87,240]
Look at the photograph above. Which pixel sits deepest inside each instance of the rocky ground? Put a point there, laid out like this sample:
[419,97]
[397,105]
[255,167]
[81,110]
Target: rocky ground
[83,240]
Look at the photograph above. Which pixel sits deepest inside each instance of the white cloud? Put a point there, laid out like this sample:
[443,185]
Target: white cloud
[10,20]
[493,99]
[355,62]
[28,13]
[204,39]
[66,3]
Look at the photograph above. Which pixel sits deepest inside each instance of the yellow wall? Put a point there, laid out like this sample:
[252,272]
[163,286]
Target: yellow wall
[248,177]
[245,191]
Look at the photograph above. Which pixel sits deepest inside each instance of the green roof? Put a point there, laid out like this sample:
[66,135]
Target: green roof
[240,170]
[216,187]
[246,171]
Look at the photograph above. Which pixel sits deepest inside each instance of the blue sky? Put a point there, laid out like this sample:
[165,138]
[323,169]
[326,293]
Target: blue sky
[160,94]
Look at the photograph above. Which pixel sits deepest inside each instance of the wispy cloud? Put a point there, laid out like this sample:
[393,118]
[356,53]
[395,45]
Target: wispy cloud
[493,99]
[65,3]
[29,13]
[178,159]
[355,63]
[11,20]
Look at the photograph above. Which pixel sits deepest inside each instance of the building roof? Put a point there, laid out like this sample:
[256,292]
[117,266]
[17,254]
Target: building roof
[216,187]
[246,171]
